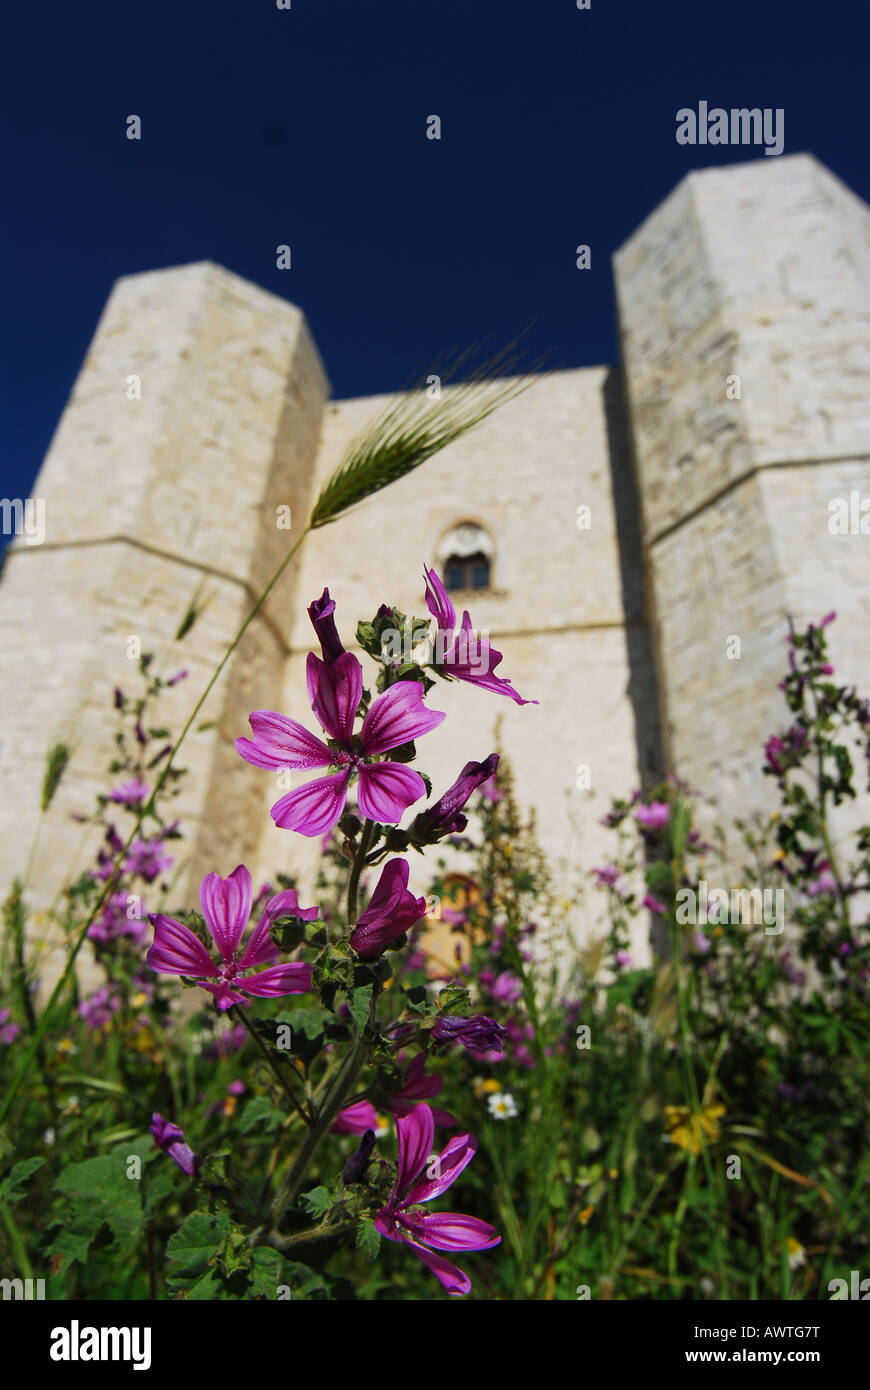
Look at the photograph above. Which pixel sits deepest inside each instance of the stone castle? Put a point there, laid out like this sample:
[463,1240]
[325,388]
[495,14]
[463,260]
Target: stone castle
[708,461]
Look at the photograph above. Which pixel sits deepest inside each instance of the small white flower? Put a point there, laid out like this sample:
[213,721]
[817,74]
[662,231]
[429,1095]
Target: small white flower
[502,1106]
[48,1137]
[797,1255]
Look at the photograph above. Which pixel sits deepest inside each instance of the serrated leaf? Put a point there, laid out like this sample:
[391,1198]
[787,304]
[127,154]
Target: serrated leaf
[359,1003]
[100,1187]
[260,1110]
[265,1273]
[368,1237]
[198,1239]
[17,1177]
[318,1202]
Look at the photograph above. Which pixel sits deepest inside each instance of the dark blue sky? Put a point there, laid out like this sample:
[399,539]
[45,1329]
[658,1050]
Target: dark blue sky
[307,126]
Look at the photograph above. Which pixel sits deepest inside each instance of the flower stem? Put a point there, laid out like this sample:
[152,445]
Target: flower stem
[353,881]
[275,1069]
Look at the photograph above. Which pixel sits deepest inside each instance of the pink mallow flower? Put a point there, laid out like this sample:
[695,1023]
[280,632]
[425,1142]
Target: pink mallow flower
[466,656]
[9,1029]
[654,816]
[385,790]
[654,904]
[428,1232]
[131,793]
[392,910]
[97,1010]
[170,1139]
[226,906]
[416,1087]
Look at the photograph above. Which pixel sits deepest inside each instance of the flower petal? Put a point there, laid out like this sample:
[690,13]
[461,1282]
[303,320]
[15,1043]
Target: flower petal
[280,742]
[454,1280]
[396,717]
[176,951]
[277,980]
[356,1119]
[226,905]
[261,949]
[473,659]
[438,603]
[455,1156]
[314,809]
[416,1132]
[337,691]
[386,790]
[452,1230]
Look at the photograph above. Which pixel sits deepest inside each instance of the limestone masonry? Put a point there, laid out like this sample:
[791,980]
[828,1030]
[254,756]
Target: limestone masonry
[709,461]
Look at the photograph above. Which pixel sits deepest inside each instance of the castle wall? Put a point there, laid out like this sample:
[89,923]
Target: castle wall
[565,608]
[752,279]
[145,501]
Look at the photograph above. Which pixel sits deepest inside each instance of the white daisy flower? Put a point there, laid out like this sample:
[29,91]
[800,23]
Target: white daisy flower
[502,1106]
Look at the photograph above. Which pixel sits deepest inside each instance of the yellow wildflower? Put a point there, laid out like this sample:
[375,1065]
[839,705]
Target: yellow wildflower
[687,1131]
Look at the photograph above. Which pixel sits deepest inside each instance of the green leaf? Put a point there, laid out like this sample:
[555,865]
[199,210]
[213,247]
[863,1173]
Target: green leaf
[368,1238]
[310,1021]
[17,1178]
[260,1110]
[265,1273]
[99,1187]
[198,1240]
[359,1002]
[318,1202]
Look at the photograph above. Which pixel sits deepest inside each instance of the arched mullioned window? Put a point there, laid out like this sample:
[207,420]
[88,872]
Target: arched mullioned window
[465,556]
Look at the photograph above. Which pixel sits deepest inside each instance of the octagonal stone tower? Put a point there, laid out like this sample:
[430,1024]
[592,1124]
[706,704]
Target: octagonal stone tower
[195,416]
[744,309]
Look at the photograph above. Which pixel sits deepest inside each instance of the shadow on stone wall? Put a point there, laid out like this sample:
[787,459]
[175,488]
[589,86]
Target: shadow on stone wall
[642,685]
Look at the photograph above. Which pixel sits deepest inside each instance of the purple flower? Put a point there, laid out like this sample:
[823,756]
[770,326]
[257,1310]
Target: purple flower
[179,676]
[477,1034]
[506,988]
[491,790]
[445,818]
[147,859]
[8,1030]
[322,615]
[653,904]
[113,922]
[467,657]
[386,789]
[828,618]
[607,877]
[97,1010]
[392,910]
[226,906]
[355,1168]
[623,959]
[428,1232]
[131,793]
[654,816]
[416,1087]
[356,1119]
[170,1139]
[702,942]
[825,883]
